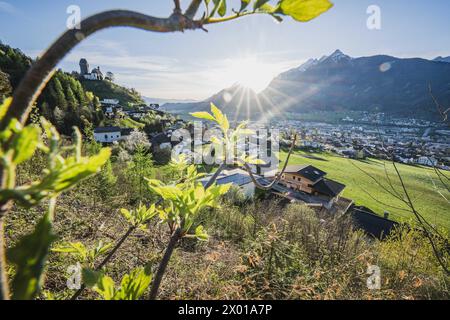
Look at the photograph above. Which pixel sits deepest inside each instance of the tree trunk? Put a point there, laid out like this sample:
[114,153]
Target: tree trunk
[163,264]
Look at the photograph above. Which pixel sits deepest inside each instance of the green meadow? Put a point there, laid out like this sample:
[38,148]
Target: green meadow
[422,183]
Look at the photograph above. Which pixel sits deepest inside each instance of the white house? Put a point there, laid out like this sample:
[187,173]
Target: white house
[111,102]
[427,161]
[107,134]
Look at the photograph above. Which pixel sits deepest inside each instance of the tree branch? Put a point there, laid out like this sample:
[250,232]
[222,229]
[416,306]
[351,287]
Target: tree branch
[277,176]
[42,70]
[193,8]
[164,263]
[106,259]
[442,111]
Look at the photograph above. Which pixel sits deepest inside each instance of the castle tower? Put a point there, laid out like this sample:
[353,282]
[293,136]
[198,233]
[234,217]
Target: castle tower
[84,67]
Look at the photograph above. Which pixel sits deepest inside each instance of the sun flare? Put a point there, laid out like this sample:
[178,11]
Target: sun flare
[250,72]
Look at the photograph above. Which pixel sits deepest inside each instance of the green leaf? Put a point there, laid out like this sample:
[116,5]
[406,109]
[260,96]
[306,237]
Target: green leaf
[203,115]
[259,3]
[222,8]
[105,287]
[25,143]
[267,8]
[200,233]
[167,192]
[76,172]
[29,257]
[303,10]
[244,5]
[221,119]
[90,277]
[77,249]
[4,107]
[134,285]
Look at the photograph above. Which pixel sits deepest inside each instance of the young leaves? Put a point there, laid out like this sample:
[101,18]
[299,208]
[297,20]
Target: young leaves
[183,201]
[82,253]
[140,217]
[220,6]
[228,139]
[300,10]
[259,3]
[4,107]
[244,4]
[61,174]
[203,115]
[200,234]
[303,10]
[132,286]
[29,256]
[24,144]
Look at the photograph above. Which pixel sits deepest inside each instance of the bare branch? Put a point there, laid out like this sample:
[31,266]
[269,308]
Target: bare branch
[42,70]
[192,9]
[438,254]
[441,109]
[177,9]
[277,176]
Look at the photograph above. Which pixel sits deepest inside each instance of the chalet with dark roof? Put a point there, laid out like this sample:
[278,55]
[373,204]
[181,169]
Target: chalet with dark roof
[312,181]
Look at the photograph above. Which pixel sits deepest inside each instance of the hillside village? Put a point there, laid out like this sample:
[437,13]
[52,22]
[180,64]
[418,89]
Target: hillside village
[409,144]
[107,196]
[412,142]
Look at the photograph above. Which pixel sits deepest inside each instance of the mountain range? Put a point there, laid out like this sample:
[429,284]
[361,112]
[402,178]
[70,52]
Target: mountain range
[338,82]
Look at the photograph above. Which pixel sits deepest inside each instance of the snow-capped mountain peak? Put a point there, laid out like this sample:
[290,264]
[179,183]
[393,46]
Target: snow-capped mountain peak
[308,64]
[337,56]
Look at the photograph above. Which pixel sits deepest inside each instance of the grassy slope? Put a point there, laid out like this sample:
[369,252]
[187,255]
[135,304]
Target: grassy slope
[110,90]
[417,179]
[130,123]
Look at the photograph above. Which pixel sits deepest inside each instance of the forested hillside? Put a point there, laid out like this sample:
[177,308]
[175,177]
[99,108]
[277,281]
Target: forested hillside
[64,101]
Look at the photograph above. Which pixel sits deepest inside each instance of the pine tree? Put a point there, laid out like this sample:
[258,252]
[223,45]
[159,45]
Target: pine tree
[60,96]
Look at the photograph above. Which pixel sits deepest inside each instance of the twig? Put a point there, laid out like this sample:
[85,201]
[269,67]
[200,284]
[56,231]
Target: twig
[41,71]
[442,111]
[427,233]
[277,176]
[107,259]
[193,8]
[164,263]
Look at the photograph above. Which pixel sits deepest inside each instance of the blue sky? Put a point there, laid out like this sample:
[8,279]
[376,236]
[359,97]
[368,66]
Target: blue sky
[195,64]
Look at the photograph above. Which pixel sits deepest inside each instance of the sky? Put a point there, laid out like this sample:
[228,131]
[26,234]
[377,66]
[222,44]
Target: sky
[252,50]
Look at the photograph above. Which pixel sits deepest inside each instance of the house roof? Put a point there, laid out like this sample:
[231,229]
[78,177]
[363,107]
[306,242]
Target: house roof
[329,187]
[106,129]
[160,138]
[126,131]
[237,179]
[236,176]
[308,171]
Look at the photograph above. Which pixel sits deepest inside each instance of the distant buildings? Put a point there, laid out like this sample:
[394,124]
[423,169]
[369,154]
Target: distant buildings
[107,134]
[427,161]
[95,75]
[110,134]
[109,76]
[409,141]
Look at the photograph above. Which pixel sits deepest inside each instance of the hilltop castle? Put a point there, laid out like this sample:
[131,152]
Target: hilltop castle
[95,74]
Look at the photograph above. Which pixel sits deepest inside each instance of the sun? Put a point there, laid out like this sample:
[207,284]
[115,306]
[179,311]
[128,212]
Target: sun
[250,72]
